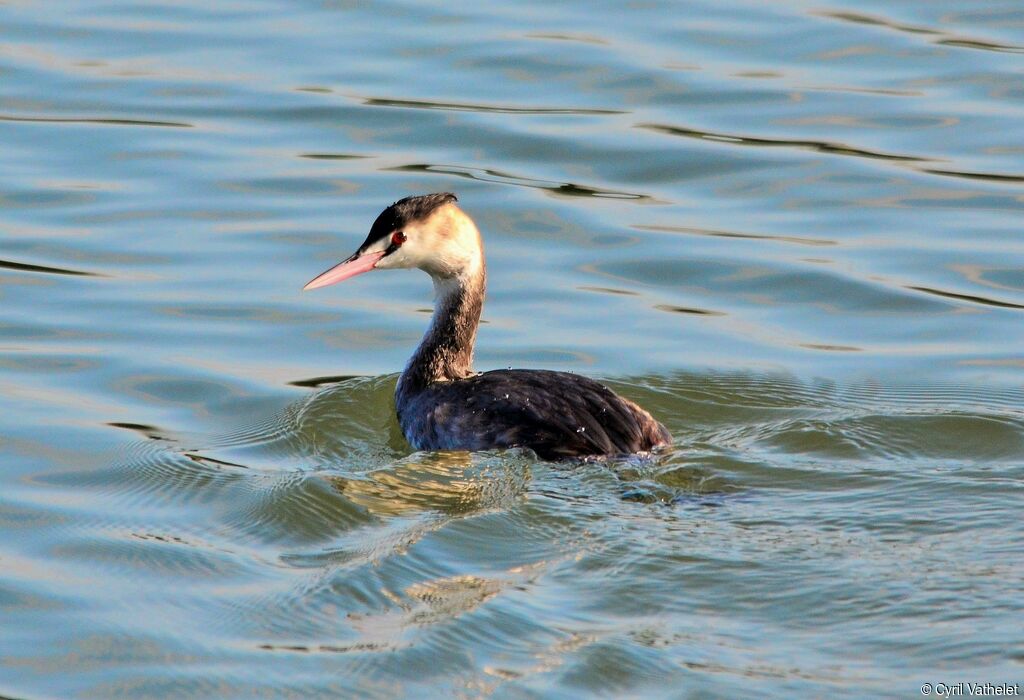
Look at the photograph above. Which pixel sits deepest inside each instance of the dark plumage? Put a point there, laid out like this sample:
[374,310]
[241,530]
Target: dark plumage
[555,414]
[442,404]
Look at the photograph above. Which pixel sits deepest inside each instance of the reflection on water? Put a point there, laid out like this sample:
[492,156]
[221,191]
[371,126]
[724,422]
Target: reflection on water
[448,482]
[791,232]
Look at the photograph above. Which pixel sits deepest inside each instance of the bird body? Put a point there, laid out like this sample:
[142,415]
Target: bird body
[441,402]
[556,414]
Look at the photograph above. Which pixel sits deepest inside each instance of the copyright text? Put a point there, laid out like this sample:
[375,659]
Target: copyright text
[970,690]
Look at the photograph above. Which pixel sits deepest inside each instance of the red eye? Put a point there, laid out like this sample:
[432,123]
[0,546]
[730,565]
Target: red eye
[397,238]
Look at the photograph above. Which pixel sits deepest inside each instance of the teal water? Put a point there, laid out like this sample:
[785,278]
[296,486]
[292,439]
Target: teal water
[793,231]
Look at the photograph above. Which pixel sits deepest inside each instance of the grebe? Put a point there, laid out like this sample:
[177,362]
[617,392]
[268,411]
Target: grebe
[442,404]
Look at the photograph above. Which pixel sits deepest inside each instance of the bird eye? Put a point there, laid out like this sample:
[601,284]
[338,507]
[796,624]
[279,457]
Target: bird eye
[397,238]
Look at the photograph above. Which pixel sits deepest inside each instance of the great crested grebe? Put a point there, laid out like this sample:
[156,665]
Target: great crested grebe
[442,403]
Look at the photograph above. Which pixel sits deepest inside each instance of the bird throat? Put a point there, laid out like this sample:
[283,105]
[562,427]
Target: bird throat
[446,351]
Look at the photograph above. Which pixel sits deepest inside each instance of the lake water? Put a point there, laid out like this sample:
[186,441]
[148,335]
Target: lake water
[791,230]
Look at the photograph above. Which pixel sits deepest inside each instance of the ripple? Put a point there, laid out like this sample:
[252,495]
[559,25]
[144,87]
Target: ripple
[294,508]
[370,436]
[364,547]
[730,400]
[829,147]
[859,18]
[153,555]
[967,297]
[941,38]
[496,109]
[830,348]
[27,267]
[608,290]
[330,648]
[566,189]
[866,423]
[333,156]
[769,283]
[859,89]
[148,431]
[904,434]
[1009,279]
[799,240]
[688,310]
[980,44]
[989,177]
[581,38]
[105,121]
[153,474]
[317,382]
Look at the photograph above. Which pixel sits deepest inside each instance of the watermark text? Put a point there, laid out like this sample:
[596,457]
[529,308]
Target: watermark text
[970,690]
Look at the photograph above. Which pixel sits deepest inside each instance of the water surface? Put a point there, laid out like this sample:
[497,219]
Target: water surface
[791,230]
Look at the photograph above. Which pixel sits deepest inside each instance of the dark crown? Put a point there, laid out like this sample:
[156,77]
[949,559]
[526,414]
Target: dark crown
[405,211]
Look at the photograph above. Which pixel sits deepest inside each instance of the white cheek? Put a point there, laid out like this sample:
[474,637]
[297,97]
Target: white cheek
[406,256]
[377,247]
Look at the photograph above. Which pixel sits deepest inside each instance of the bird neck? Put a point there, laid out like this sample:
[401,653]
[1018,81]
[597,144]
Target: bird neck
[446,351]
